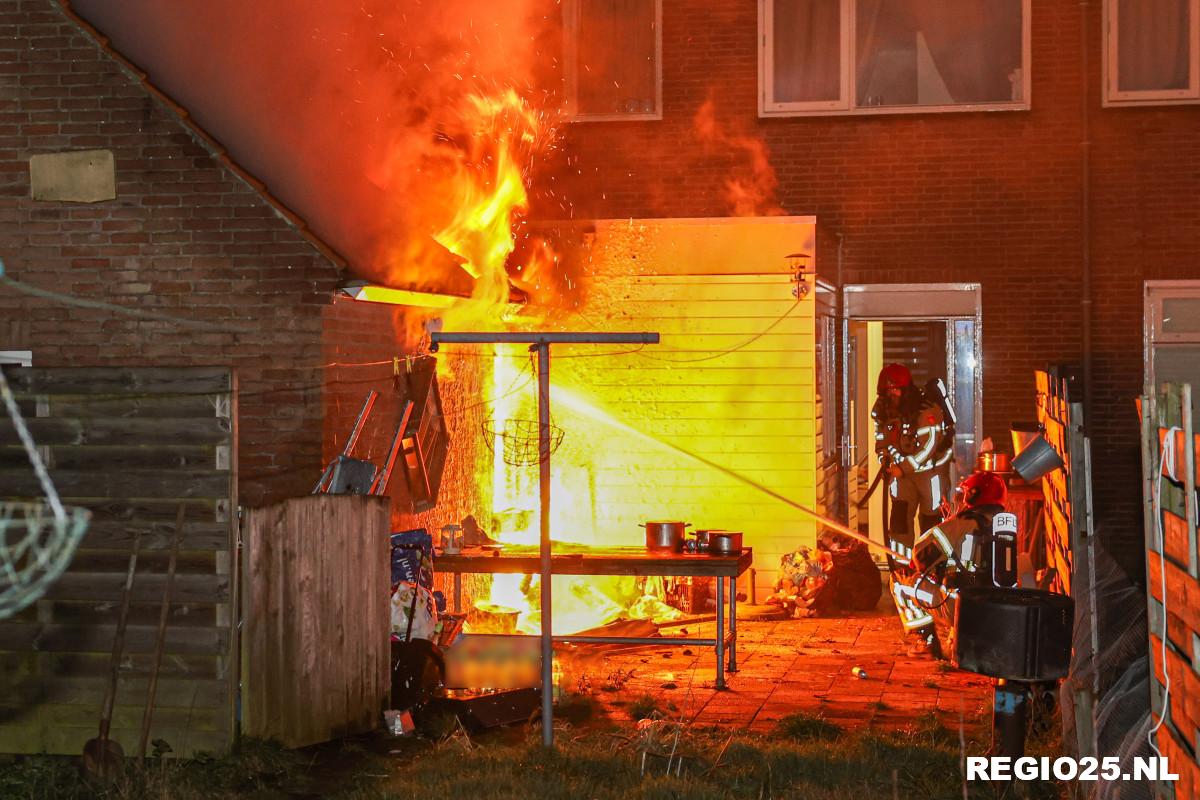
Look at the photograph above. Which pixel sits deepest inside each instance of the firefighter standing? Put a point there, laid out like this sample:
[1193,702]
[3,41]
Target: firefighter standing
[975,547]
[914,439]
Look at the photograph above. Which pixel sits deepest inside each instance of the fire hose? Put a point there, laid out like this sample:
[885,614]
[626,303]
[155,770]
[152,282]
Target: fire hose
[823,520]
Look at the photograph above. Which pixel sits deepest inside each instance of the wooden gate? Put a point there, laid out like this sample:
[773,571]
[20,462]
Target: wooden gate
[132,445]
[317,619]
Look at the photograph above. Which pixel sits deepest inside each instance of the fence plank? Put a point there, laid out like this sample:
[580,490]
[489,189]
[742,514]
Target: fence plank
[132,445]
[121,431]
[1174,589]
[118,381]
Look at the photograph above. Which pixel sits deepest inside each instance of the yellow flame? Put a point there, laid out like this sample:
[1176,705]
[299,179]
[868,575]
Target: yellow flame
[506,130]
[507,133]
[580,603]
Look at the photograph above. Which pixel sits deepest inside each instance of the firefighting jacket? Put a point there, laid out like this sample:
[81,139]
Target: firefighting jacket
[978,541]
[914,442]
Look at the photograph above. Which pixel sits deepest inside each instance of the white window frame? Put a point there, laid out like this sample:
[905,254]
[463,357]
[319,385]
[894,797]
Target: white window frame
[1154,338]
[571,77]
[1113,96]
[844,105]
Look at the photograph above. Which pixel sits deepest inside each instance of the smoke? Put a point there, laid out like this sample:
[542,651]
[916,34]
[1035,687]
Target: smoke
[353,112]
[750,191]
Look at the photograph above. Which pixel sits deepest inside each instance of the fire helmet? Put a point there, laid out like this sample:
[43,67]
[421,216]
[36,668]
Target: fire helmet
[893,376]
[983,489]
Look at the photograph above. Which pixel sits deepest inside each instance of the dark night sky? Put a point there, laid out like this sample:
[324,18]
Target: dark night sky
[335,104]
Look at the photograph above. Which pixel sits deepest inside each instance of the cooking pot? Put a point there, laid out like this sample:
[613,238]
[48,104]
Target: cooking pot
[725,543]
[992,462]
[702,537]
[665,535]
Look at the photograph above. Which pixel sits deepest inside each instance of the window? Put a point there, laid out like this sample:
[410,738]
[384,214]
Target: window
[893,56]
[1152,51]
[613,59]
[1173,335]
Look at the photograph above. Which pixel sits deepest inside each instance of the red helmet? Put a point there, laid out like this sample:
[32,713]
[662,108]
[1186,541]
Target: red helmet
[893,376]
[983,489]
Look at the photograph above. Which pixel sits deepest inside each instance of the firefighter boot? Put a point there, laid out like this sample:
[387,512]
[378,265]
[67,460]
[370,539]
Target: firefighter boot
[924,642]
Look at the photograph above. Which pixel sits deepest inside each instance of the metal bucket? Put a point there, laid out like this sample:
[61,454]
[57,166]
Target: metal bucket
[1037,459]
[1023,433]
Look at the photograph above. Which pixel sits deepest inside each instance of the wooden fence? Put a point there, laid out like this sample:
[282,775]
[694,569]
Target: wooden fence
[1067,523]
[1174,579]
[132,445]
[316,611]
[1067,491]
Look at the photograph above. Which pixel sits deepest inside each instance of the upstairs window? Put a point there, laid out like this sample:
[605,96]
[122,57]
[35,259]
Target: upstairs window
[613,59]
[1151,49]
[893,56]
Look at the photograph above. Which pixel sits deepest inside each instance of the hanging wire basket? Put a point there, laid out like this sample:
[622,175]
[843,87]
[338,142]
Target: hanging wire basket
[35,548]
[518,440]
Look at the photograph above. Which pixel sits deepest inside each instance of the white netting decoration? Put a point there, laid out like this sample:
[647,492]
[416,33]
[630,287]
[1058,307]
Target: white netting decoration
[37,539]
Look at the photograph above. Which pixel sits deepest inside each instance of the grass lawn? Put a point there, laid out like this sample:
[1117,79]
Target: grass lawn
[596,757]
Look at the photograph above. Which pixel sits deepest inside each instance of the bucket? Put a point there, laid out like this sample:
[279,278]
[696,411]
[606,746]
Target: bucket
[1023,434]
[1037,459]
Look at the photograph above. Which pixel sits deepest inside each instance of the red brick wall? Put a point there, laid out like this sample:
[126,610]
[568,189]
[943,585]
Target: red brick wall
[184,237]
[359,343]
[988,197]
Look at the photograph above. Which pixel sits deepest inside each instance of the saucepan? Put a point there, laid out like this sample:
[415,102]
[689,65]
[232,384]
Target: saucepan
[704,537]
[665,535]
[724,543]
[992,462]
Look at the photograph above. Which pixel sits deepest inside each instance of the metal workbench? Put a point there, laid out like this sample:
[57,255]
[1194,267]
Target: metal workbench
[630,561]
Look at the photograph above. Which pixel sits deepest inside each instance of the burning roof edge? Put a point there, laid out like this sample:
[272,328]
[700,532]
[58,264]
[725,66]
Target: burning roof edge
[202,136]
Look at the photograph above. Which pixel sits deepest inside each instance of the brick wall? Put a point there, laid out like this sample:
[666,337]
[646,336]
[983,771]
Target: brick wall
[359,343]
[988,197]
[185,237]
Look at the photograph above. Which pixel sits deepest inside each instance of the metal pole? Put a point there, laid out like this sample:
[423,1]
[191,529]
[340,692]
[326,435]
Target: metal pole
[564,337]
[733,624]
[720,633]
[543,354]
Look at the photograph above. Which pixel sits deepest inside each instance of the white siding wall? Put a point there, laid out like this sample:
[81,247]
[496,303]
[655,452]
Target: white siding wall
[717,386]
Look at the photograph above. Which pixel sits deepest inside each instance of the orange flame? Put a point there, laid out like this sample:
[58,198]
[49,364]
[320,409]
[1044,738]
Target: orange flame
[751,193]
[502,135]
[505,135]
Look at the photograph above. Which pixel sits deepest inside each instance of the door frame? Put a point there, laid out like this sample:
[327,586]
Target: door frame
[910,302]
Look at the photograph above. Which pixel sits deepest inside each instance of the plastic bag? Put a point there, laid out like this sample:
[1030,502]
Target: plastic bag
[425,618]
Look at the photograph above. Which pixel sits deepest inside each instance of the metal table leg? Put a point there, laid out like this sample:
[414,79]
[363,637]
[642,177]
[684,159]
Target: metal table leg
[458,593]
[720,637]
[733,625]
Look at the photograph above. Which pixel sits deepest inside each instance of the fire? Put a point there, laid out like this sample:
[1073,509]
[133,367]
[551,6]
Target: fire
[505,134]
[500,137]
[579,603]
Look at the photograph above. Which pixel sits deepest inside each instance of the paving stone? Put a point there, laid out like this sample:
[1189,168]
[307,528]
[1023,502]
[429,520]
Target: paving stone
[804,665]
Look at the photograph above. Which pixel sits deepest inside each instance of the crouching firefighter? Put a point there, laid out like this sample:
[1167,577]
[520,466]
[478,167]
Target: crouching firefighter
[914,440]
[977,546]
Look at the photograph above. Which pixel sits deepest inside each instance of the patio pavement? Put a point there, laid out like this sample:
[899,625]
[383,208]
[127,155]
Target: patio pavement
[799,665]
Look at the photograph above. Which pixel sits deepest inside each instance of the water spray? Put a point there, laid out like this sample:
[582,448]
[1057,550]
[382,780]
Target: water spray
[576,402]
